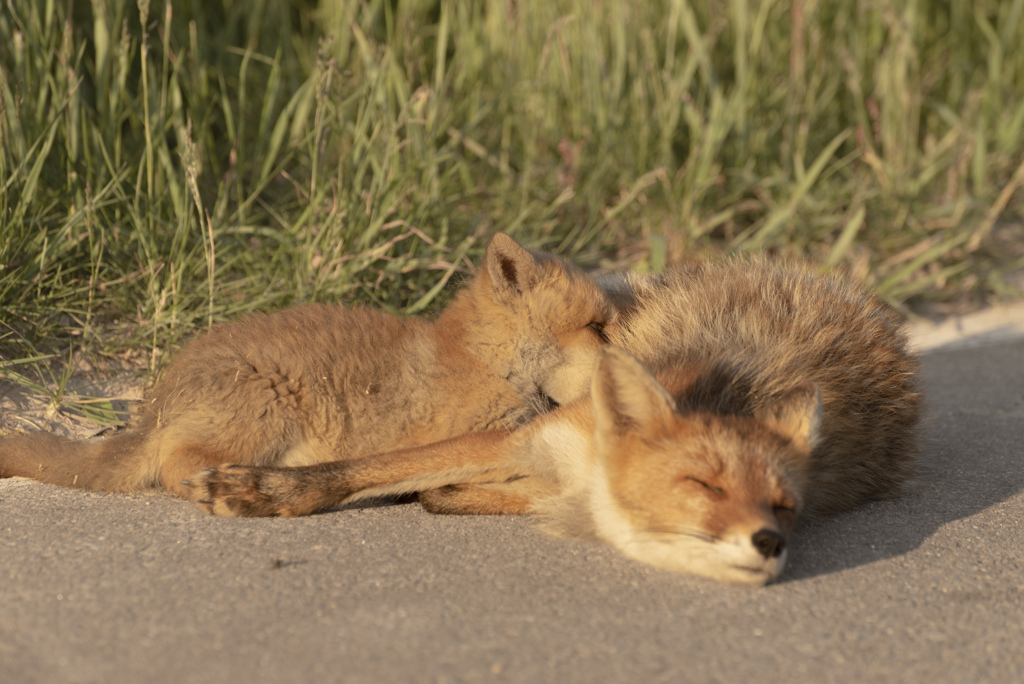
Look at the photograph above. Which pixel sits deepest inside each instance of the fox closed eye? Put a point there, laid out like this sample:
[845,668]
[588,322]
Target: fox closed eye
[714,489]
[598,327]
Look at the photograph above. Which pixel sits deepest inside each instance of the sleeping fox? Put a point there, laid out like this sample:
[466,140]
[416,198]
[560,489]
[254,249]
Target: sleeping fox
[773,392]
[322,382]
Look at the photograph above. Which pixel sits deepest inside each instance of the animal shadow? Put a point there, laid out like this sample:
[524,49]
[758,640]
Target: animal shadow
[974,416]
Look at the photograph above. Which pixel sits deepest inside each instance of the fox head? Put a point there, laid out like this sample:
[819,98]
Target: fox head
[542,318]
[701,493]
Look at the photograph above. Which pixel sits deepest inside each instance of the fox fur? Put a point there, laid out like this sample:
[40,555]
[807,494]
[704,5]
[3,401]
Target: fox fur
[321,383]
[773,392]
[758,331]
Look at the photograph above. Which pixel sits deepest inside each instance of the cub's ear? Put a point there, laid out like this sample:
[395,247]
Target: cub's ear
[797,415]
[512,269]
[626,397]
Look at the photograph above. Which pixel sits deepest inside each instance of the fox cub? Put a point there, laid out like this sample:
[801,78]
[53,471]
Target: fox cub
[772,392]
[326,383]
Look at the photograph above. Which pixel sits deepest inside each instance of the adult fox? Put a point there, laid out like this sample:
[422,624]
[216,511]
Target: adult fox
[775,392]
[322,383]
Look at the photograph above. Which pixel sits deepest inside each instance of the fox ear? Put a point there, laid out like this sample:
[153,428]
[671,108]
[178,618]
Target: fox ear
[797,415]
[512,268]
[626,396]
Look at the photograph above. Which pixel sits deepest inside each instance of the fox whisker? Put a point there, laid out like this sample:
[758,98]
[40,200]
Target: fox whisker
[672,534]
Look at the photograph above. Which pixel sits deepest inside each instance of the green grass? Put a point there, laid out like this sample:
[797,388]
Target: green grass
[166,166]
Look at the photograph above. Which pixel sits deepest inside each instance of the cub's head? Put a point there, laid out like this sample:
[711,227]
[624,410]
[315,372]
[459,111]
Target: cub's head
[544,320]
[698,493]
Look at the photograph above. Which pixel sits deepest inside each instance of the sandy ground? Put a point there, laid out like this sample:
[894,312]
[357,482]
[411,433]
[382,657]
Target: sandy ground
[999,323]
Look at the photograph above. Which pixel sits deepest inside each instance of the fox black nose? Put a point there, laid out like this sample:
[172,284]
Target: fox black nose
[769,543]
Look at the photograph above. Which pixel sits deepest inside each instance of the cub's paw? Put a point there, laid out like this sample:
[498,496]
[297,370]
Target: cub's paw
[244,491]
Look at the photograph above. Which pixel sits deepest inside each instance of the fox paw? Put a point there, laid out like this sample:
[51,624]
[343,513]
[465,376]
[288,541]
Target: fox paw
[234,490]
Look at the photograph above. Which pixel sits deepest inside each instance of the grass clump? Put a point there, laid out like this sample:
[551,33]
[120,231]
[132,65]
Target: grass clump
[167,165]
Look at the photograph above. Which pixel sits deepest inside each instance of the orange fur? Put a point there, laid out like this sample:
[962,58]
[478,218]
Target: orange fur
[776,391]
[323,383]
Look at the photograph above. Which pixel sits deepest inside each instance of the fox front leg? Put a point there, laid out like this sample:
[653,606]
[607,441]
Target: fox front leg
[249,491]
[233,490]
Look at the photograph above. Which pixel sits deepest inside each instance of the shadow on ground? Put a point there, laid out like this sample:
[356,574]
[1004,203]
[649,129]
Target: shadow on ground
[971,461]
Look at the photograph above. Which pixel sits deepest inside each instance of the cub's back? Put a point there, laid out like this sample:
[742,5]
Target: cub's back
[305,345]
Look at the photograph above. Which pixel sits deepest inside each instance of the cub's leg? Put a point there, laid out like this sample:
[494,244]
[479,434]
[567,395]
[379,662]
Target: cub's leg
[185,459]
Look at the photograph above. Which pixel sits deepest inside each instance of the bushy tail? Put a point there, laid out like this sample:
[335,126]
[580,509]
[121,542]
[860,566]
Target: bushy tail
[112,464]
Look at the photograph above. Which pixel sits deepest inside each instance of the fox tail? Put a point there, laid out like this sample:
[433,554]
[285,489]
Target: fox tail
[111,464]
